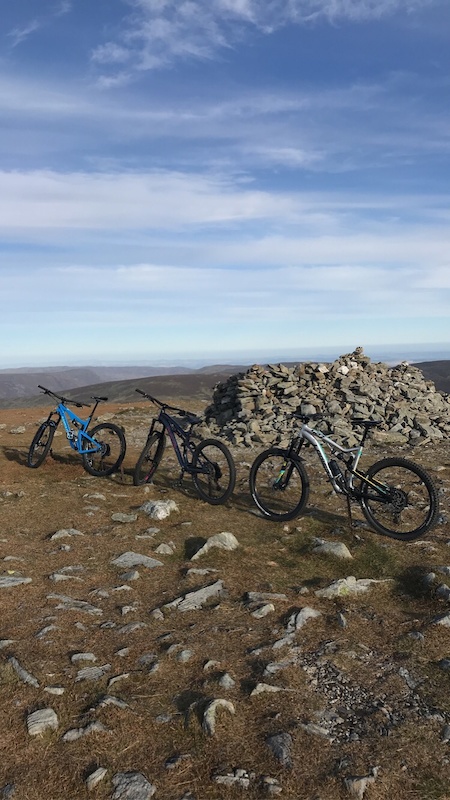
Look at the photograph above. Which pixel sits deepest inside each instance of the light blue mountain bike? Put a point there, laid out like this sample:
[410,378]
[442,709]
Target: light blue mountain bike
[102,447]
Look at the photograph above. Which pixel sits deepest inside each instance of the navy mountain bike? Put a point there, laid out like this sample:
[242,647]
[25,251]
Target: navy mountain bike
[209,463]
[102,447]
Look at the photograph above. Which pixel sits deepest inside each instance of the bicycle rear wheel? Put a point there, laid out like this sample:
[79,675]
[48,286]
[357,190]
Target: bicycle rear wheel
[40,445]
[150,459]
[106,456]
[406,505]
[279,484]
[215,474]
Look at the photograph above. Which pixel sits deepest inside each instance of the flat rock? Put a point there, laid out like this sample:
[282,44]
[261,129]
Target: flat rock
[120,517]
[67,603]
[280,744]
[66,532]
[336,549]
[131,559]
[131,786]
[346,586]
[8,581]
[95,777]
[223,541]
[40,721]
[194,600]
[159,509]
[299,618]
[22,673]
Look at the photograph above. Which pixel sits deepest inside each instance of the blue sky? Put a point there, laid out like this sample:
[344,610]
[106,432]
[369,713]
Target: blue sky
[221,178]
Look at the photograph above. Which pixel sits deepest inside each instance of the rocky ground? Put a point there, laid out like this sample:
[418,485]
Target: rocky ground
[133,665]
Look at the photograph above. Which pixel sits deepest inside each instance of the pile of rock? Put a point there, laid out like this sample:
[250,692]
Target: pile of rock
[256,407]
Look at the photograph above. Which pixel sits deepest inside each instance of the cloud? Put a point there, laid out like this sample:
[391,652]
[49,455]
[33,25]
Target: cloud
[159,32]
[18,35]
[45,199]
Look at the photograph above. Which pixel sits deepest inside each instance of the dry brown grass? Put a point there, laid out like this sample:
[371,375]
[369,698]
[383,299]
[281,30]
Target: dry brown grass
[271,557]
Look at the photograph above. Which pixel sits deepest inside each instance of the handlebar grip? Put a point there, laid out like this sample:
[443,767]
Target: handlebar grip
[139,391]
[42,387]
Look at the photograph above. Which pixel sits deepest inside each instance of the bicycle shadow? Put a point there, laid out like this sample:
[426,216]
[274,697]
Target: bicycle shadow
[20,457]
[13,454]
[241,499]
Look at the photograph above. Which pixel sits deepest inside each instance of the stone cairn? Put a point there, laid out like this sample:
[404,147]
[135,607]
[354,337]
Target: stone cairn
[255,407]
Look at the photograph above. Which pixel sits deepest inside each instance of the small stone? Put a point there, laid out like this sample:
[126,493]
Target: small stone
[92,673]
[82,657]
[159,509]
[64,532]
[76,733]
[95,777]
[40,721]
[184,656]
[357,786]
[132,575]
[300,618]
[71,604]
[130,559]
[164,550]
[22,673]
[263,611]
[265,687]
[223,541]
[280,744]
[131,786]
[226,681]
[194,600]
[9,581]
[336,549]
[209,714]
[124,518]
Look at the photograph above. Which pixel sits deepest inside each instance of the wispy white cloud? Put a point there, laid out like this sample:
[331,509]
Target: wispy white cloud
[159,32]
[164,199]
[64,7]
[18,35]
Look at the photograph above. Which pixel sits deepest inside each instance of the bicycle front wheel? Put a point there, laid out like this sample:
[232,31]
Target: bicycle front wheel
[106,453]
[279,484]
[40,445]
[149,460]
[403,502]
[214,472]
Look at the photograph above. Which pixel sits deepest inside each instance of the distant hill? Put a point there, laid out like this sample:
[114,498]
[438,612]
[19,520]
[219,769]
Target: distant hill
[19,389]
[198,385]
[23,383]
[438,372]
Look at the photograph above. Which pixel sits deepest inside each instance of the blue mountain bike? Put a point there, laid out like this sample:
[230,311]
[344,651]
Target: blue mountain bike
[102,447]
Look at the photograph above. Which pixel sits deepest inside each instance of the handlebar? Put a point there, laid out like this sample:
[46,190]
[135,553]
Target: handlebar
[163,406]
[64,400]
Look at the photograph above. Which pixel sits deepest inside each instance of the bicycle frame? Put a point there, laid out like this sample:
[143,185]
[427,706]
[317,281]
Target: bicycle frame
[315,438]
[76,437]
[175,430]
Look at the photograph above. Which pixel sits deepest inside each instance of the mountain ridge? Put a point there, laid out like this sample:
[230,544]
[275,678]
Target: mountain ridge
[195,383]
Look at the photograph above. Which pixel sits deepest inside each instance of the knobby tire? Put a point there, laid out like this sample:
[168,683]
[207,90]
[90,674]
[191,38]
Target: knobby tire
[40,445]
[216,480]
[279,484]
[149,460]
[414,509]
[113,447]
